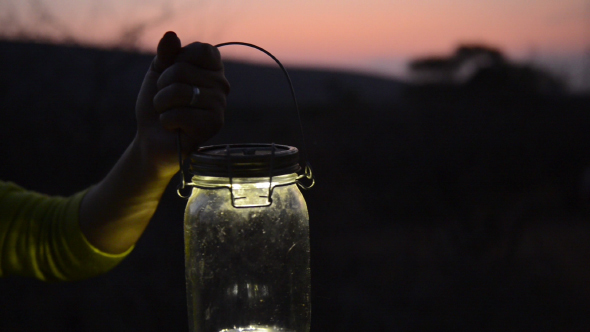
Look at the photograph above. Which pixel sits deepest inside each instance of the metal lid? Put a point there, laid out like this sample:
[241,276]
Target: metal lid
[245,160]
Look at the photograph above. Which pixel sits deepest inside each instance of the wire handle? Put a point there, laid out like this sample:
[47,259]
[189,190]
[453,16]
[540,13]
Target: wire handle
[307,170]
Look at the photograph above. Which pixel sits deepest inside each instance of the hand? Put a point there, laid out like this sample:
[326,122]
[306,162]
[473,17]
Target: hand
[163,105]
[115,212]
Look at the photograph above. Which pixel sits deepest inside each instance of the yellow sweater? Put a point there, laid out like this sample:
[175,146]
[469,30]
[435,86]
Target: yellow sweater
[40,237]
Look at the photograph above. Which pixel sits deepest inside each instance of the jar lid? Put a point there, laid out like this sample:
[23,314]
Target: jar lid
[245,160]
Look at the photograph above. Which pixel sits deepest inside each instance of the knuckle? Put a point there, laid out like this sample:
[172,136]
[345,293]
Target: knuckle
[190,50]
[202,55]
[167,120]
[171,75]
[212,52]
[158,104]
[174,71]
[163,79]
[214,101]
[225,86]
[176,88]
[170,96]
[220,83]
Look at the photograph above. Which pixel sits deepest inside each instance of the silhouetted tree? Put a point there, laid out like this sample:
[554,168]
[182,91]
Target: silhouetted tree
[458,67]
[484,67]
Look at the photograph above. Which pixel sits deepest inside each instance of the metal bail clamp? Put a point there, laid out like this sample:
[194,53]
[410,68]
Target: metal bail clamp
[238,197]
[307,174]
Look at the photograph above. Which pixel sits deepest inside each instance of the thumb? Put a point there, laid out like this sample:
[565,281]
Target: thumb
[168,48]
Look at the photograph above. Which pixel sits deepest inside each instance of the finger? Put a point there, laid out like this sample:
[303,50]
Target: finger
[182,72]
[201,55]
[168,49]
[178,95]
[199,125]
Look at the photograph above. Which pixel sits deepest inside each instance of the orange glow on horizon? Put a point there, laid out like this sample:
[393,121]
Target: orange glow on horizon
[339,33]
[330,32]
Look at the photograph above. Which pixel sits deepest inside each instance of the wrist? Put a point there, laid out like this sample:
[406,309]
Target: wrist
[155,157]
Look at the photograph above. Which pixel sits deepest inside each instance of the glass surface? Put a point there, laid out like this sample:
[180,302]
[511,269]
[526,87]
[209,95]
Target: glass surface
[247,269]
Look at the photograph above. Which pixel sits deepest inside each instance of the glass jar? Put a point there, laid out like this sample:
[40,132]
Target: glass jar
[247,241]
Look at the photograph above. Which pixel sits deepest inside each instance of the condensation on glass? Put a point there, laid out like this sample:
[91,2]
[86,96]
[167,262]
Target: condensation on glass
[247,252]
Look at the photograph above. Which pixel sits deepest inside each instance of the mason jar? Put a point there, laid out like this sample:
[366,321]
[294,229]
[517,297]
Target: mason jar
[246,232]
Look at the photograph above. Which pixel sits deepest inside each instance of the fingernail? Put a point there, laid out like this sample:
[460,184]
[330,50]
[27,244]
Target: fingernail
[170,34]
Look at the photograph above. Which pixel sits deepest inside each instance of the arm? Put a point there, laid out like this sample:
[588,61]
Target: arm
[40,237]
[116,211]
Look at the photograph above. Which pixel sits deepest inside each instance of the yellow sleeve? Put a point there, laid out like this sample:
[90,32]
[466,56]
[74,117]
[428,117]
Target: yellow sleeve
[40,237]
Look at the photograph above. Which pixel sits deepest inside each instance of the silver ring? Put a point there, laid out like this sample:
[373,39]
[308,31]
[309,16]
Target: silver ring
[195,99]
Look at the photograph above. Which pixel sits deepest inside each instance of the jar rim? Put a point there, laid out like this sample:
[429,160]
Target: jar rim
[245,160]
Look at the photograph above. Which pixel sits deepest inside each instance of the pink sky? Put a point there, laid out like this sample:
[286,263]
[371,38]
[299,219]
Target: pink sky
[373,35]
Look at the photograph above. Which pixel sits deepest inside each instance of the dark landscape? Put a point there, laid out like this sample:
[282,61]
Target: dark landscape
[446,204]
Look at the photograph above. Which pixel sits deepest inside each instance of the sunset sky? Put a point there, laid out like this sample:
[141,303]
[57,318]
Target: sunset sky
[377,36]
